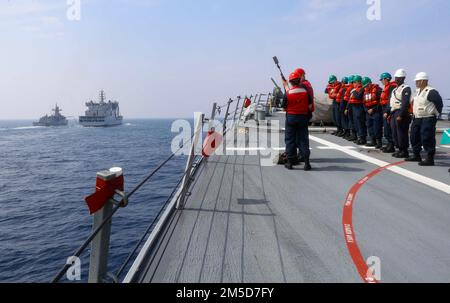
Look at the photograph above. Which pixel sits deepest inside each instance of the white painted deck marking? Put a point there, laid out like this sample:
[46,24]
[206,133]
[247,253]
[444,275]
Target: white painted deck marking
[332,148]
[398,170]
[256,148]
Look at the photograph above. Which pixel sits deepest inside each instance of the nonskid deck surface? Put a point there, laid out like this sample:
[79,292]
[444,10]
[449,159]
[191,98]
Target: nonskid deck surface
[245,222]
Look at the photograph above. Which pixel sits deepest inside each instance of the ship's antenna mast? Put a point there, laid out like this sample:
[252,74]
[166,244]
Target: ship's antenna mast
[102,96]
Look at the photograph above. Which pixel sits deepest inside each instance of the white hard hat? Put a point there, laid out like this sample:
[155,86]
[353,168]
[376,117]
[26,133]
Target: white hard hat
[422,76]
[400,73]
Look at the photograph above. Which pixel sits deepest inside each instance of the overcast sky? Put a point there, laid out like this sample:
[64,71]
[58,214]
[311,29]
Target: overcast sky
[169,58]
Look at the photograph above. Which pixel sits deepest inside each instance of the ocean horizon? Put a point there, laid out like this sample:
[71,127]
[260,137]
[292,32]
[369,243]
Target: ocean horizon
[47,173]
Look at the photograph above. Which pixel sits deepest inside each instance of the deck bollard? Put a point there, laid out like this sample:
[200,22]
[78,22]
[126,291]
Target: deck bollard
[107,183]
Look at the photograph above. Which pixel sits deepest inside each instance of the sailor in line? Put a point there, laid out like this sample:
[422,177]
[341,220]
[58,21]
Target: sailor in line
[374,119]
[348,111]
[389,86]
[332,91]
[342,105]
[427,106]
[357,110]
[400,115]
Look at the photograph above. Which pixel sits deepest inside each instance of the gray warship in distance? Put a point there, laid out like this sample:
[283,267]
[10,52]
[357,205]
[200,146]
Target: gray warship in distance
[54,120]
[102,114]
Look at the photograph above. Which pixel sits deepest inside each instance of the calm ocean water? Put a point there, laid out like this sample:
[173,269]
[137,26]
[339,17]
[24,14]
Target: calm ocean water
[45,173]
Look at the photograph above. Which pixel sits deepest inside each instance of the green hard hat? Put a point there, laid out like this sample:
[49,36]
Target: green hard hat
[332,79]
[350,79]
[357,78]
[345,80]
[385,76]
[366,81]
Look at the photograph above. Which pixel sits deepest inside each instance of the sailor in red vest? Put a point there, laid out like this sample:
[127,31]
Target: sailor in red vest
[348,111]
[332,91]
[357,109]
[389,87]
[374,115]
[299,105]
[342,107]
[400,115]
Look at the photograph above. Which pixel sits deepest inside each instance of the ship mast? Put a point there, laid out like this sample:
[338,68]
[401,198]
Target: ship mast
[57,110]
[102,96]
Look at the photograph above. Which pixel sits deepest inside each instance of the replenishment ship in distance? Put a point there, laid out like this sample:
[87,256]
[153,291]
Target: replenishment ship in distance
[102,114]
[54,120]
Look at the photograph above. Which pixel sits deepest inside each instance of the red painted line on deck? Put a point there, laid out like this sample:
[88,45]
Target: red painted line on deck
[349,232]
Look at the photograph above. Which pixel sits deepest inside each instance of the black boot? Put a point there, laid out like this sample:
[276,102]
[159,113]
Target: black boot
[297,161]
[415,158]
[346,134]
[341,134]
[353,137]
[401,154]
[361,141]
[429,161]
[372,143]
[389,148]
[289,165]
[379,144]
[307,165]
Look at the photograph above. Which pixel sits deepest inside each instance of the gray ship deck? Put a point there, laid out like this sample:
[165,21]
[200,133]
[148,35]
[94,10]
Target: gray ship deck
[244,222]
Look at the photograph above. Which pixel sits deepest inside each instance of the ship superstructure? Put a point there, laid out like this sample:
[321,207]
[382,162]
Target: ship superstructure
[102,113]
[55,119]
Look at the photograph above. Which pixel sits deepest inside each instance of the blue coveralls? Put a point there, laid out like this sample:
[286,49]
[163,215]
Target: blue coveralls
[359,120]
[297,136]
[387,125]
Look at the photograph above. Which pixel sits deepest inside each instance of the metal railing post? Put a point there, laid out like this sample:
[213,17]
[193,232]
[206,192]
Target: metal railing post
[187,177]
[237,107]
[256,98]
[213,116]
[226,117]
[242,109]
[98,264]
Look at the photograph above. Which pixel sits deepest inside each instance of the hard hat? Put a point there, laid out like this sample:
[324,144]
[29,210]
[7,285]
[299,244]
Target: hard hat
[300,71]
[345,80]
[332,79]
[357,78]
[422,76]
[294,76]
[385,76]
[400,73]
[350,79]
[366,81]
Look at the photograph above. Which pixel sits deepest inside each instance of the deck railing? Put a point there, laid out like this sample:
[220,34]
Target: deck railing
[99,239]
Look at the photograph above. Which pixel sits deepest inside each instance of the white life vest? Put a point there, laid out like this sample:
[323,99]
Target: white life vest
[396,97]
[423,108]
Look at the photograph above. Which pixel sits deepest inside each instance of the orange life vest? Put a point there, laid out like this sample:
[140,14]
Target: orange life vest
[371,95]
[333,93]
[385,97]
[340,95]
[348,92]
[357,89]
